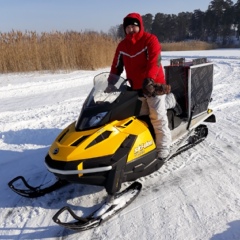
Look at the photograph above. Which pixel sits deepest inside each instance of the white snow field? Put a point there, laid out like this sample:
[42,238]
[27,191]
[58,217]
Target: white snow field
[196,196]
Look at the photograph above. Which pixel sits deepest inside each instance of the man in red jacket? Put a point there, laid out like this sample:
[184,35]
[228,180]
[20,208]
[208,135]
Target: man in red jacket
[140,54]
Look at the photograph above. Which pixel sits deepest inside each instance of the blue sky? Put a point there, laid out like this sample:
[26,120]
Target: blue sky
[80,15]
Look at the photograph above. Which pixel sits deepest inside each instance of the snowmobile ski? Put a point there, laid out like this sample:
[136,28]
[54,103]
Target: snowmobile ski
[33,192]
[116,204]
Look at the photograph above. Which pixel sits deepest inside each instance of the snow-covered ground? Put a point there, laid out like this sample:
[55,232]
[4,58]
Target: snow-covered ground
[195,197]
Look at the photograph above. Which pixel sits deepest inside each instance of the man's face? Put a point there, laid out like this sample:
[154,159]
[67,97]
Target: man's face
[131,29]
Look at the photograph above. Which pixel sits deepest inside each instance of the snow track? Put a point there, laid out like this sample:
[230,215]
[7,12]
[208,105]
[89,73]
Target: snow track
[195,196]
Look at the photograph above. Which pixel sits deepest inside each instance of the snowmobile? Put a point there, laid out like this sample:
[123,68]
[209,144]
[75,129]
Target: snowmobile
[110,143]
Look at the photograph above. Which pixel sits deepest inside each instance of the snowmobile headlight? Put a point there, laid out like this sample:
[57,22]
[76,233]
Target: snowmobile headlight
[94,120]
[91,121]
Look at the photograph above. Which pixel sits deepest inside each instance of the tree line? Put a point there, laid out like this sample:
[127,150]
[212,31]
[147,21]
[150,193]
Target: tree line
[218,24]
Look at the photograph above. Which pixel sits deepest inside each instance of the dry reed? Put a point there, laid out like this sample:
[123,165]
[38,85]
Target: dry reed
[30,51]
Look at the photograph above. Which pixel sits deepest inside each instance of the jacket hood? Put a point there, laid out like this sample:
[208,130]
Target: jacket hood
[138,35]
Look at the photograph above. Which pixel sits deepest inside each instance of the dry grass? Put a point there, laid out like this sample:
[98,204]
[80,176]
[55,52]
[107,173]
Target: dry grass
[187,46]
[29,51]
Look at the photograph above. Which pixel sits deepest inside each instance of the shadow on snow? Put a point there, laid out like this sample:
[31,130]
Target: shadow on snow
[232,232]
[30,164]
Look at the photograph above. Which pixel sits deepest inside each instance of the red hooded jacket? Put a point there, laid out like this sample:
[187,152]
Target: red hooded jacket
[140,55]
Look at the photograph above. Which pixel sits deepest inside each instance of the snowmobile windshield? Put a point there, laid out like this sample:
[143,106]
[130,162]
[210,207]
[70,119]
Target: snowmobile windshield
[107,88]
[110,99]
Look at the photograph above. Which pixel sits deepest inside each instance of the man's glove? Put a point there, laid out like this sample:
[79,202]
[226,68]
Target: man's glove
[112,80]
[151,89]
[110,88]
[148,87]
[161,89]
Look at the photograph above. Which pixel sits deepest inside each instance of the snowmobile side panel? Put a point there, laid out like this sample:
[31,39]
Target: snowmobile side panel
[144,141]
[180,131]
[142,166]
